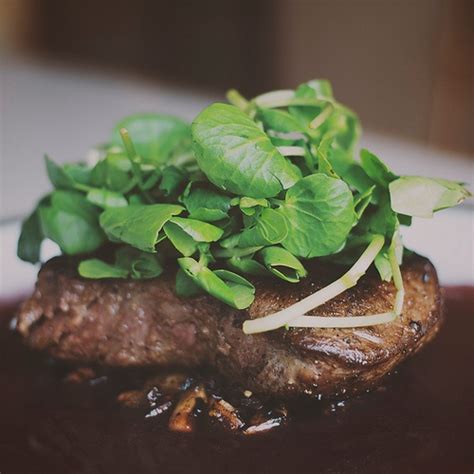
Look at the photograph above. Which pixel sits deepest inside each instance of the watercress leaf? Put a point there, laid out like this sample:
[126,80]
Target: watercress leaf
[248,211]
[230,242]
[404,220]
[96,269]
[270,228]
[305,115]
[320,213]
[72,222]
[31,237]
[349,169]
[323,150]
[231,277]
[247,265]
[105,198]
[283,264]
[362,200]
[383,266]
[384,220]
[206,204]
[149,180]
[114,173]
[376,169]
[200,231]
[80,173]
[318,94]
[280,140]
[135,199]
[237,156]
[146,266]
[137,225]
[154,136]
[185,286]
[236,295]
[315,88]
[279,121]
[344,126]
[246,202]
[56,174]
[421,197]
[229,225]
[334,120]
[140,265]
[249,206]
[182,241]
[171,181]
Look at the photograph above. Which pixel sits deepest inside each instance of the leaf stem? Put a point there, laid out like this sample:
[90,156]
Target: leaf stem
[397,279]
[291,150]
[128,144]
[134,160]
[237,99]
[322,117]
[279,98]
[286,98]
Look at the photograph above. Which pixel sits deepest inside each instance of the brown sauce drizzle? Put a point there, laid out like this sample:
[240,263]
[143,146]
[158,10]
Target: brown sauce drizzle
[53,419]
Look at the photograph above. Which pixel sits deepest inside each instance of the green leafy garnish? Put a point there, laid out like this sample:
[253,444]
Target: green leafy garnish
[156,137]
[251,189]
[71,221]
[421,197]
[320,212]
[139,225]
[237,156]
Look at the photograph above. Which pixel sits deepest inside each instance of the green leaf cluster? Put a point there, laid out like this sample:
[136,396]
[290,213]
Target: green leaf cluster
[250,189]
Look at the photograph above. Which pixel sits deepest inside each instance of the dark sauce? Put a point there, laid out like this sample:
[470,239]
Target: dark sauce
[419,420]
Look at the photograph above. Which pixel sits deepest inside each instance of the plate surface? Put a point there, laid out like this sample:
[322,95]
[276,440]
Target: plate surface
[418,421]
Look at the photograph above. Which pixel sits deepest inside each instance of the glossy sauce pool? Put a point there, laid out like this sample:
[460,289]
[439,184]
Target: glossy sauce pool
[419,420]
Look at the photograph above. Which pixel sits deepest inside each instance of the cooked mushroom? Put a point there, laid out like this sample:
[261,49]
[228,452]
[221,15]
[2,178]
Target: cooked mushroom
[226,414]
[182,418]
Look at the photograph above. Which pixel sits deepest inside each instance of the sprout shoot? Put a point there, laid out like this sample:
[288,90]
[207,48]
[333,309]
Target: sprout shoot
[291,150]
[348,280]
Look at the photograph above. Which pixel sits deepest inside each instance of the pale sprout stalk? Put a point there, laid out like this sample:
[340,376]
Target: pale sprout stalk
[235,98]
[280,98]
[360,321]
[348,280]
[322,117]
[291,150]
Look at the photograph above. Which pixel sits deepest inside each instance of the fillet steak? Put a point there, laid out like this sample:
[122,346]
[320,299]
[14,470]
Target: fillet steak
[126,323]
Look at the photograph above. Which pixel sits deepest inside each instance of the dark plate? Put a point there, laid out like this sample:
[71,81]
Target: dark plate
[419,420]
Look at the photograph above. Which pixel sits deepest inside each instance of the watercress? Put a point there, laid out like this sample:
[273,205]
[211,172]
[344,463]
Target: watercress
[253,188]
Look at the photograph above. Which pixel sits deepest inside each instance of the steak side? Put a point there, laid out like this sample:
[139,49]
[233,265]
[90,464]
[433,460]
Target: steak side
[143,323]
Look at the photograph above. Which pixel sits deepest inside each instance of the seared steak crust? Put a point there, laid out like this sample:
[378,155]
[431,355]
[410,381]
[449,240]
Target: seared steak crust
[144,323]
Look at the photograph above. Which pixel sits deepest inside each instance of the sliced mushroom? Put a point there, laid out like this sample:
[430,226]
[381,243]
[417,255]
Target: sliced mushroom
[226,414]
[131,398]
[182,418]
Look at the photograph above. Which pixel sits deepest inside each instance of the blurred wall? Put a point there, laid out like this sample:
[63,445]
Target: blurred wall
[406,66]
